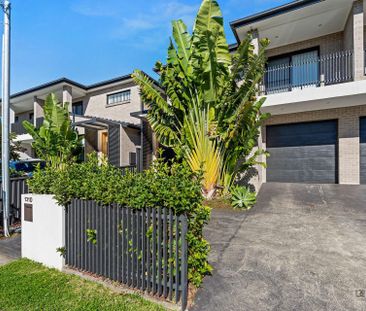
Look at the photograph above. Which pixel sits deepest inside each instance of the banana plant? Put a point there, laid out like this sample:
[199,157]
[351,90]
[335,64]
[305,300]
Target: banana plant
[209,119]
[55,141]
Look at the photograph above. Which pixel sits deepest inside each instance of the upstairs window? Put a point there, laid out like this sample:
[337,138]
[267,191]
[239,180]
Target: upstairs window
[291,71]
[77,108]
[120,97]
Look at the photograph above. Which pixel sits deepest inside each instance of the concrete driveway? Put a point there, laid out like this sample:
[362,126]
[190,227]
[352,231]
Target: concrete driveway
[302,247]
[9,249]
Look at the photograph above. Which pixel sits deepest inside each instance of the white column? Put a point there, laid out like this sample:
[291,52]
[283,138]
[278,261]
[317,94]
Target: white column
[37,109]
[67,96]
[261,139]
[358,40]
[12,116]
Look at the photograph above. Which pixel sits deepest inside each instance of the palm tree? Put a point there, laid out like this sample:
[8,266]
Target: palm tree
[211,116]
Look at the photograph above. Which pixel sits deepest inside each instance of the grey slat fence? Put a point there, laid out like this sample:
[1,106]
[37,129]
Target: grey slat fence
[143,249]
[18,186]
[130,168]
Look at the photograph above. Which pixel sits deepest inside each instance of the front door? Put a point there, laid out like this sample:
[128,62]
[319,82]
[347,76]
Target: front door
[104,143]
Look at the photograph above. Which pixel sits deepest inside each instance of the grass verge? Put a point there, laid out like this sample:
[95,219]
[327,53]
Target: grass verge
[26,285]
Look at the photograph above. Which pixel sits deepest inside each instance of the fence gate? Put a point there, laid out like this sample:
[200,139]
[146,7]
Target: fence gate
[144,249]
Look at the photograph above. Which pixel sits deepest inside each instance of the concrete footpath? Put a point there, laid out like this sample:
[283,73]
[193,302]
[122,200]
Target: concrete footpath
[9,249]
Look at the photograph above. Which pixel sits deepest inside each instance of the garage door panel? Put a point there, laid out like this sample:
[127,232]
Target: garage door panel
[363,150]
[303,152]
[299,176]
[302,134]
[301,164]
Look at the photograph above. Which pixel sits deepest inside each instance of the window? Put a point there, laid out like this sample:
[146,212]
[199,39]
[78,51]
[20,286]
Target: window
[133,158]
[119,97]
[77,108]
[298,70]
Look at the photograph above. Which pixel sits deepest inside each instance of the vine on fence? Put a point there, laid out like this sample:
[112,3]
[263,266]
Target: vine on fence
[167,185]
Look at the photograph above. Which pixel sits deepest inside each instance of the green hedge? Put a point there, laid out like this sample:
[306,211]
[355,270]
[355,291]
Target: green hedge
[169,185]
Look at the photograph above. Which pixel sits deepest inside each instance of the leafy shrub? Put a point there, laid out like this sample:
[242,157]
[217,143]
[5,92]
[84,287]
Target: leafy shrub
[56,141]
[242,197]
[169,185]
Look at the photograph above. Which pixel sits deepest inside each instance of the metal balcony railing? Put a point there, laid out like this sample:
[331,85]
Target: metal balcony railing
[18,128]
[320,71]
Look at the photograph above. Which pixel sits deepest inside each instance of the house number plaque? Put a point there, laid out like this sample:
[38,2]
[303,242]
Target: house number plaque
[28,209]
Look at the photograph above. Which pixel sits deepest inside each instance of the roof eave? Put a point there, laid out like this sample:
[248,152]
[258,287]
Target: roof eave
[285,8]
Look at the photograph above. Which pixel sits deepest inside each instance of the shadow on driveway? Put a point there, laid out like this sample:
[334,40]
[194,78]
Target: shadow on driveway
[302,247]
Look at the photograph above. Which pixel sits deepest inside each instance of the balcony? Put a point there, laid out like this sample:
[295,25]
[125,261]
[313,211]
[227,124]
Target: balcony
[18,128]
[308,72]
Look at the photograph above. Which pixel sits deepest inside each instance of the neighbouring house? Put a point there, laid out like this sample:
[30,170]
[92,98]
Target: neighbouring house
[315,87]
[106,114]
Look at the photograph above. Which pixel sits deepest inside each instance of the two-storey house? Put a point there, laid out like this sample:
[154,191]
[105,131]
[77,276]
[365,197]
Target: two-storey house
[315,87]
[101,113]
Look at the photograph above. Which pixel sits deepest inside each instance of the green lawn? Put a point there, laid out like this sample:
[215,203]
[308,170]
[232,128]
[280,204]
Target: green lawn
[25,285]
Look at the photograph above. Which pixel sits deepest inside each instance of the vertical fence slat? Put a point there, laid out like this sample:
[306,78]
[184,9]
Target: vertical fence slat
[110,227]
[171,252]
[177,274]
[184,271]
[143,250]
[124,258]
[99,229]
[133,252]
[154,251]
[82,235]
[113,246]
[87,244]
[119,248]
[138,248]
[75,234]
[148,246]
[159,251]
[104,240]
[128,246]
[165,259]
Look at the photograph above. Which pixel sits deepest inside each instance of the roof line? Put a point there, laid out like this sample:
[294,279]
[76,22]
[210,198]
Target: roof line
[282,9]
[82,86]
[48,84]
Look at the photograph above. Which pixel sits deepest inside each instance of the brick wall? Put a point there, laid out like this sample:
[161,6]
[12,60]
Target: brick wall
[327,44]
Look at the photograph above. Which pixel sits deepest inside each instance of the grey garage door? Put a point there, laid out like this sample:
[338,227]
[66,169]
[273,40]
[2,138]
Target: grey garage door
[363,150]
[302,152]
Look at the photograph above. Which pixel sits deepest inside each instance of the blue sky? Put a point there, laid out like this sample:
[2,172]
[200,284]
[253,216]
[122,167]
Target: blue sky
[93,40]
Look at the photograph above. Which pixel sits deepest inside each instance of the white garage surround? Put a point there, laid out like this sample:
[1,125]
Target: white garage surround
[44,231]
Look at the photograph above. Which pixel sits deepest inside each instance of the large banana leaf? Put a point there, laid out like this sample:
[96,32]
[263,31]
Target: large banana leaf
[204,153]
[55,141]
[209,118]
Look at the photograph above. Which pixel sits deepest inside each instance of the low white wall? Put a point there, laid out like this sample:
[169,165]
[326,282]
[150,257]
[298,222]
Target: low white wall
[42,236]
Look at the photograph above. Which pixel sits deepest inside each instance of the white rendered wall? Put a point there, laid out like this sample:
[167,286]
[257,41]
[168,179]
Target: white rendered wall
[46,233]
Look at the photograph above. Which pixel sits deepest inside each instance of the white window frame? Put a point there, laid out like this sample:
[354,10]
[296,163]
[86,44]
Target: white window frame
[120,97]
